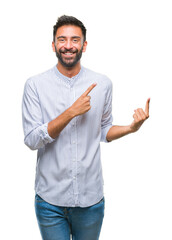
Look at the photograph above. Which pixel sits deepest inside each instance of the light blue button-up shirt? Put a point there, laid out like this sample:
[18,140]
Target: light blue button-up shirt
[68,170]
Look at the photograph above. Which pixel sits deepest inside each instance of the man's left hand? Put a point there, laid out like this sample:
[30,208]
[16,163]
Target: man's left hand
[139,117]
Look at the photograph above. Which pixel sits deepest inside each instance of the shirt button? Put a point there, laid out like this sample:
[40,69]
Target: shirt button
[74,160]
[74,178]
[73,124]
[74,142]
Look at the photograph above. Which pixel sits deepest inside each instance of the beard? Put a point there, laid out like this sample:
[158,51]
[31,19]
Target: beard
[69,62]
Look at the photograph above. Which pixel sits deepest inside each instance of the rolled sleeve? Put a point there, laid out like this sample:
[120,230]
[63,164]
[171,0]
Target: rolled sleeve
[107,118]
[38,138]
[45,135]
[35,130]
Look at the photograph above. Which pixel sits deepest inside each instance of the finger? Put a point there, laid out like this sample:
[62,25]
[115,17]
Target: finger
[88,98]
[147,107]
[135,117]
[142,113]
[89,89]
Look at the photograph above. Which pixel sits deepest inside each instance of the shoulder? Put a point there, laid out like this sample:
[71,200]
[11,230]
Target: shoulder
[36,80]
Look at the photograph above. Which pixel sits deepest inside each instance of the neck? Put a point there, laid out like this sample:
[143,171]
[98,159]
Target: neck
[69,72]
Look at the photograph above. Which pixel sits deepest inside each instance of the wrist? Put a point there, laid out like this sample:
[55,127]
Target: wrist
[131,129]
[71,112]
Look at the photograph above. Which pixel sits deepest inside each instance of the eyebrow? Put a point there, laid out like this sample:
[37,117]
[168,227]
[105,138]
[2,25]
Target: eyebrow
[65,37]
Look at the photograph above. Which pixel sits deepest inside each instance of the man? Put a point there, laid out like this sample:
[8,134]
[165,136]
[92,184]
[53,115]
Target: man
[67,111]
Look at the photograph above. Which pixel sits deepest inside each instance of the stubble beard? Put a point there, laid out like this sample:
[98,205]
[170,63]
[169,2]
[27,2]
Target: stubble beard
[69,63]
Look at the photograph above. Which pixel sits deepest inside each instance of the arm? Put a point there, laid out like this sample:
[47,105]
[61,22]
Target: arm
[139,116]
[35,130]
[116,132]
[80,106]
[38,134]
[107,118]
[59,123]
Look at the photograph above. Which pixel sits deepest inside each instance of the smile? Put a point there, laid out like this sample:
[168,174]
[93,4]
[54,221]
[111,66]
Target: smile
[68,53]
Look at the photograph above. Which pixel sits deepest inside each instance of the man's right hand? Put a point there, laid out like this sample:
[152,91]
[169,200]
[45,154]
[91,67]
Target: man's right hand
[82,104]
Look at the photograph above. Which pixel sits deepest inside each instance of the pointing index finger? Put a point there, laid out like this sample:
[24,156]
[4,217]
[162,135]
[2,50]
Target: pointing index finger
[89,89]
[147,107]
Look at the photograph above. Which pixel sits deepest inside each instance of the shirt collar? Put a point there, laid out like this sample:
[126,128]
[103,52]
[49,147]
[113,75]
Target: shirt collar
[69,81]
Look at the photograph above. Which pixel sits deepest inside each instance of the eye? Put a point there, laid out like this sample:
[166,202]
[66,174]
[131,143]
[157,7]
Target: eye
[75,40]
[61,40]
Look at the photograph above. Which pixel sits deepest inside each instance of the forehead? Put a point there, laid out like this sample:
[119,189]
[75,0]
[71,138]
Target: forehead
[68,31]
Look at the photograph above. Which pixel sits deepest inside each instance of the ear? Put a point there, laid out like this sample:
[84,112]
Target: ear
[53,46]
[84,46]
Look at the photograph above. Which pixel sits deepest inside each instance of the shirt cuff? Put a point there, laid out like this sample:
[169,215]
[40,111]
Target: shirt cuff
[104,132]
[45,135]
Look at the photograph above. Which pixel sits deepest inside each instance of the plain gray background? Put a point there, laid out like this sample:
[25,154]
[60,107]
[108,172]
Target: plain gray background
[130,42]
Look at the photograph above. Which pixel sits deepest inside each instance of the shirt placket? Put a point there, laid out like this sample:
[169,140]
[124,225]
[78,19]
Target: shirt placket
[74,150]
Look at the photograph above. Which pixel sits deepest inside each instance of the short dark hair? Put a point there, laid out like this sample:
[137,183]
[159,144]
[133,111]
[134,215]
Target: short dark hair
[68,20]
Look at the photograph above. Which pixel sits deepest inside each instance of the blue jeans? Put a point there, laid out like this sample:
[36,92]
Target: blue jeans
[57,223]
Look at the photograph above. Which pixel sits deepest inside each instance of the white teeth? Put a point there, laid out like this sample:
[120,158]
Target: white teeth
[68,53]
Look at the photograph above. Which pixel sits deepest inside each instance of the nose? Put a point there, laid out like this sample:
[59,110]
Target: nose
[68,44]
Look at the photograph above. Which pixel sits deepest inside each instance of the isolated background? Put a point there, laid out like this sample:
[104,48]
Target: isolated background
[130,42]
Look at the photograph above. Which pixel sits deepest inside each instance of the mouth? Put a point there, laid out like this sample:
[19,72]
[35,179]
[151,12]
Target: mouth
[68,54]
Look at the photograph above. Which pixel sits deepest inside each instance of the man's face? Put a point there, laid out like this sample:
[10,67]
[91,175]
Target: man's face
[69,45]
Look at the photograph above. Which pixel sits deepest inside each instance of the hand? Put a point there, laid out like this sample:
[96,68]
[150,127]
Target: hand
[139,117]
[82,104]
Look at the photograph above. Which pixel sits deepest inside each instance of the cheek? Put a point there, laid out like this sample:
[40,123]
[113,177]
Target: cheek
[59,45]
[60,48]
